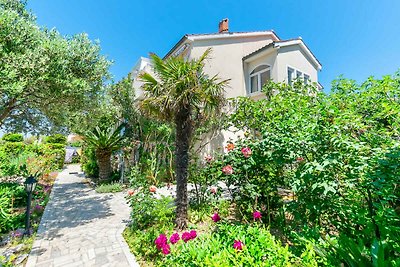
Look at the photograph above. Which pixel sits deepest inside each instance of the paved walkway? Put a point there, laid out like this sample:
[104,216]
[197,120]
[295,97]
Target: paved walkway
[80,227]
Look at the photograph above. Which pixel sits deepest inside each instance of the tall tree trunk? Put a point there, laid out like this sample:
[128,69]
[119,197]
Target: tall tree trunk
[104,161]
[182,142]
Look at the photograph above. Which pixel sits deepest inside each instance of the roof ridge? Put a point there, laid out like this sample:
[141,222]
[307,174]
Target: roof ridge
[227,33]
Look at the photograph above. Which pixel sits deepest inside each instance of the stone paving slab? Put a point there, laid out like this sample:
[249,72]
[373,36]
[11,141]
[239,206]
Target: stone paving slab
[81,227]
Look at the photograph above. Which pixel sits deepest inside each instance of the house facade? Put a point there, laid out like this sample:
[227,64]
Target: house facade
[247,59]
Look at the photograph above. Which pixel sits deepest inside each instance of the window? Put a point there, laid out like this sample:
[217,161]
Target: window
[258,77]
[293,74]
[306,79]
[290,72]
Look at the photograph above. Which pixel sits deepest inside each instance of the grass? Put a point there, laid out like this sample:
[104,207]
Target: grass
[109,188]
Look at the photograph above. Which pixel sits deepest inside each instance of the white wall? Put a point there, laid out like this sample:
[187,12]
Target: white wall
[292,56]
[226,59]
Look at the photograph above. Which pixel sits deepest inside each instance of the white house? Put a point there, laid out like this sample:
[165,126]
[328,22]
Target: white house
[248,59]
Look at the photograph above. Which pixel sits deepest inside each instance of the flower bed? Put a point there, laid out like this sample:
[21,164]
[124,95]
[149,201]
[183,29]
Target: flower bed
[14,245]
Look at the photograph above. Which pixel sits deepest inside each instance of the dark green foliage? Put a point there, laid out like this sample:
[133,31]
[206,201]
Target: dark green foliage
[337,153]
[13,204]
[105,141]
[46,77]
[11,196]
[13,137]
[324,173]
[89,162]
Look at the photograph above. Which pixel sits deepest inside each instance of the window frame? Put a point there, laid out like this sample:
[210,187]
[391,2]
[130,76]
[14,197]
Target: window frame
[294,75]
[258,75]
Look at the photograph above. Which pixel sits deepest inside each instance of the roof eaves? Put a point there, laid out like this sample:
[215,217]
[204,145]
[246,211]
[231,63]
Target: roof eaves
[268,46]
[181,41]
[307,48]
[211,35]
[275,44]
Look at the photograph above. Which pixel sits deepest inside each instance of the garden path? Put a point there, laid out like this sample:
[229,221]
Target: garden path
[81,227]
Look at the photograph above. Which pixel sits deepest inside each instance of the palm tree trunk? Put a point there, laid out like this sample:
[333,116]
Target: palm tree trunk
[182,142]
[104,161]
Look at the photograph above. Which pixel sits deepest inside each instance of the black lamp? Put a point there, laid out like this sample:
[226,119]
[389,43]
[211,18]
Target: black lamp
[30,185]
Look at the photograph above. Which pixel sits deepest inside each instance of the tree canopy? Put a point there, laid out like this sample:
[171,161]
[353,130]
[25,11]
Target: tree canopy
[45,76]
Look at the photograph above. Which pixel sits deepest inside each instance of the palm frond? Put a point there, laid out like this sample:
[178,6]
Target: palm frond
[178,83]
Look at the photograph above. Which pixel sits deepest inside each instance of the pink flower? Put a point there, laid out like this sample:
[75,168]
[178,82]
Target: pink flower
[238,245]
[246,151]
[166,249]
[216,217]
[257,215]
[161,240]
[174,238]
[228,170]
[208,158]
[186,237]
[213,190]
[131,192]
[193,234]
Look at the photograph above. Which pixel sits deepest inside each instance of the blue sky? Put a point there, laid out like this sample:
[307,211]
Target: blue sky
[354,38]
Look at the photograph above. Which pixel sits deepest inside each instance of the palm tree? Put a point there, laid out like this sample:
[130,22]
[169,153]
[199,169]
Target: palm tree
[181,93]
[105,141]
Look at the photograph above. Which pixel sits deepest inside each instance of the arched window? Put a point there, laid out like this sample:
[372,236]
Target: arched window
[258,77]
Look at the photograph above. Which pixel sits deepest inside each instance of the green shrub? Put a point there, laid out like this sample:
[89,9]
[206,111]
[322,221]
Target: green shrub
[109,188]
[148,211]
[11,195]
[56,139]
[13,149]
[76,144]
[17,165]
[149,218]
[216,249]
[13,137]
[89,162]
[54,154]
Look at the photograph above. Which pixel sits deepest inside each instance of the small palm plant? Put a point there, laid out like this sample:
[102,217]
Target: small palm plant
[181,93]
[105,140]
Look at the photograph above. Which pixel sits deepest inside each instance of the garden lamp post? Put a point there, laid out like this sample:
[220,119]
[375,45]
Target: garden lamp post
[29,184]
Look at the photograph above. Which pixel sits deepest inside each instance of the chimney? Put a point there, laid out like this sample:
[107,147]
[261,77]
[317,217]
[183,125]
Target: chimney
[223,26]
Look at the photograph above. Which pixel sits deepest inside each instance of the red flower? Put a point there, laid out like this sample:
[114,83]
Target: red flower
[228,170]
[300,159]
[216,217]
[230,147]
[246,151]
[238,245]
[131,192]
[160,241]
[174,238]
[257,215]
[153,189]
[166,249]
